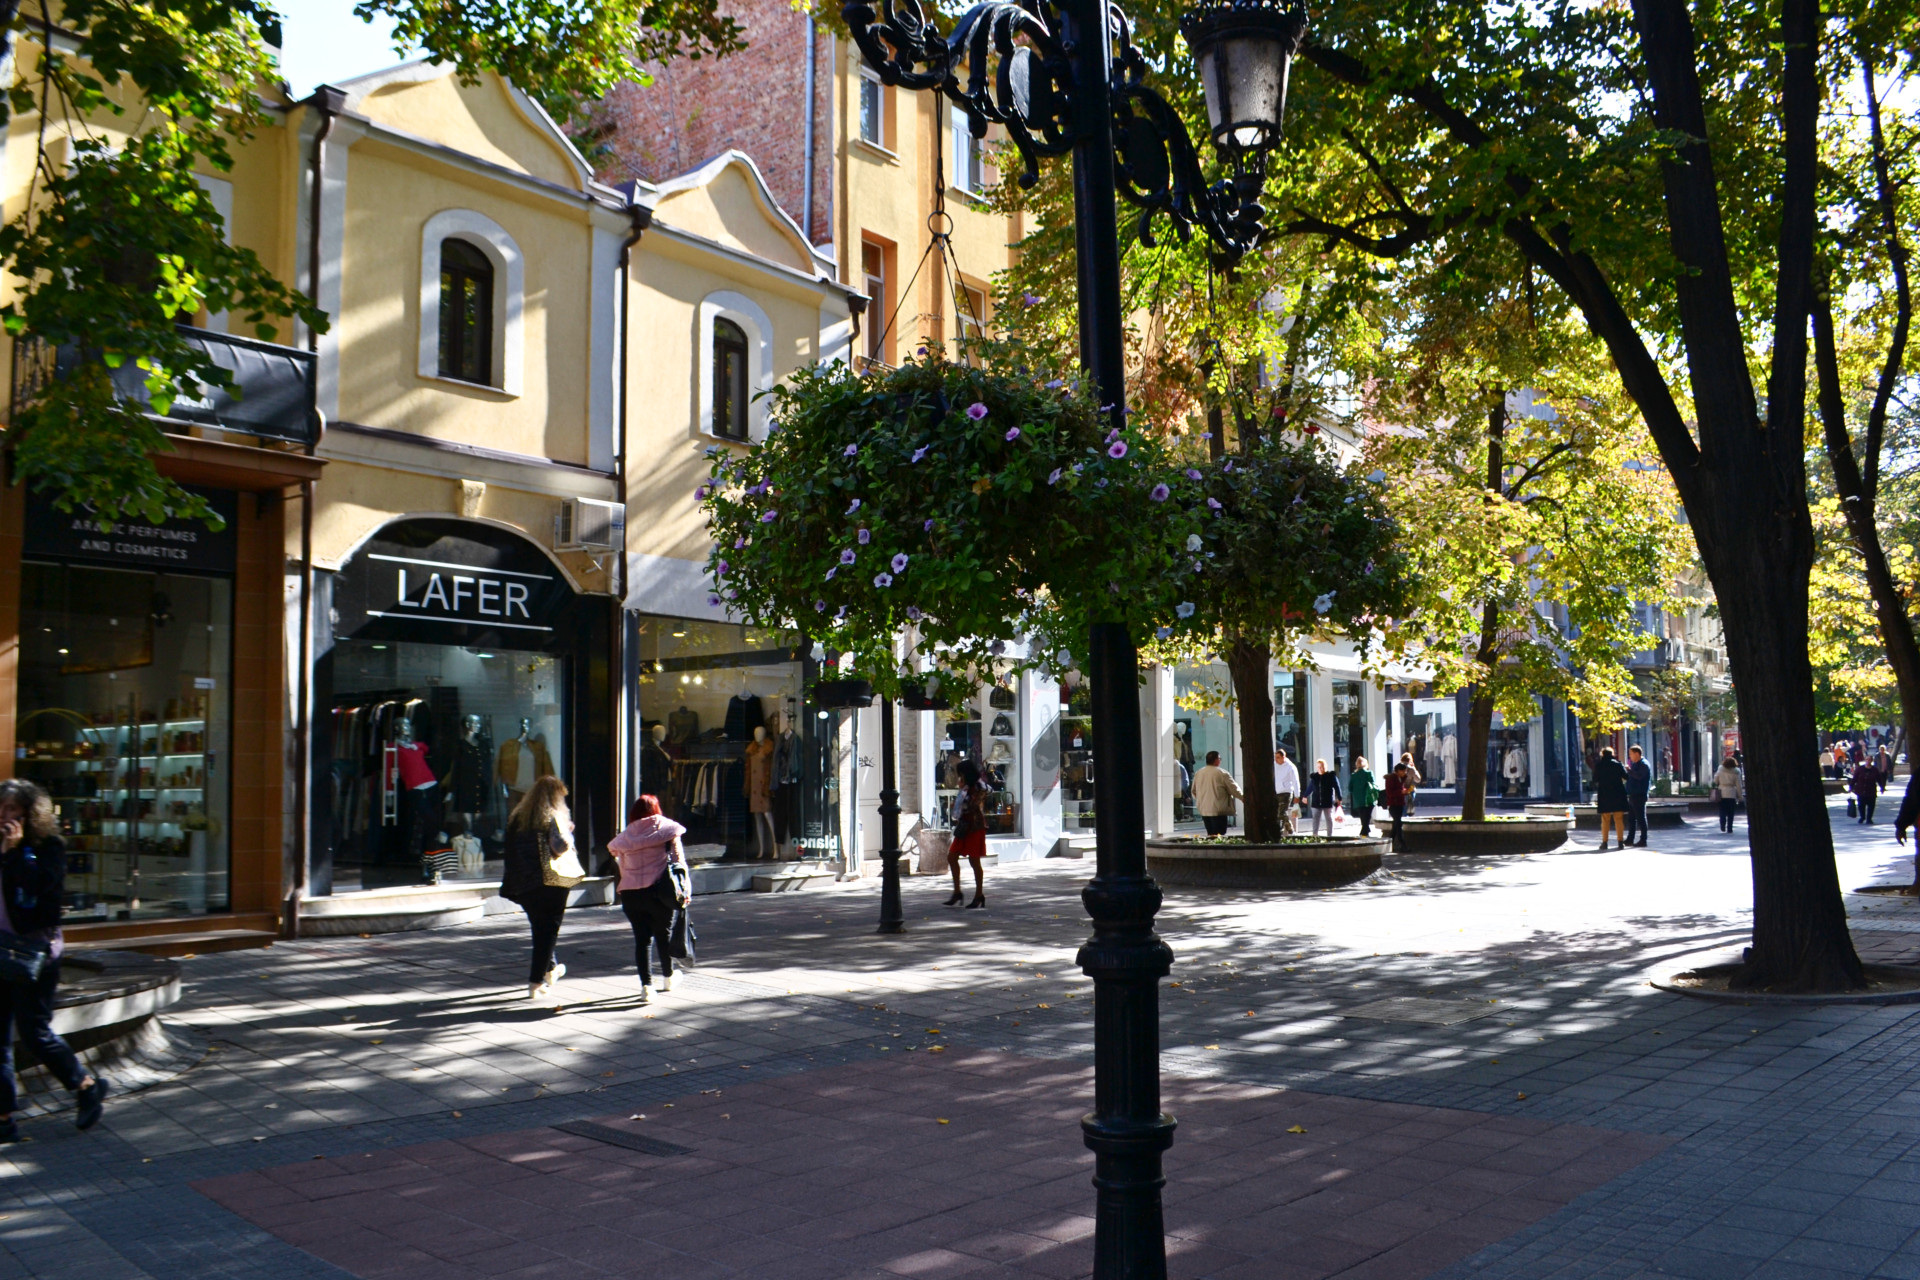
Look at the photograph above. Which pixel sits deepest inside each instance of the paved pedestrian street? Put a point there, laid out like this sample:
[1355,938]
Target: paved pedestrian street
[1457,1069]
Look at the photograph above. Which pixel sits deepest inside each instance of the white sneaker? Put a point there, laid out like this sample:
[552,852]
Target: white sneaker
[666,983]
[646,994]
[535,990]
[556,973]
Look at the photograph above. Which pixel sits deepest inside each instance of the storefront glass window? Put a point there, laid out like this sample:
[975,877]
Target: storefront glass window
[1290,718]
[987,730]
[1076,753]
[125,682]
[1349,727]
[1509,768]
[704,690]
[1200,724]
[1426,728]
[433,745]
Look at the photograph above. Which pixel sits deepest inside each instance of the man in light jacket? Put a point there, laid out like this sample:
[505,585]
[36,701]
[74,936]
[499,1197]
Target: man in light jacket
[1214,792]
[1286,787]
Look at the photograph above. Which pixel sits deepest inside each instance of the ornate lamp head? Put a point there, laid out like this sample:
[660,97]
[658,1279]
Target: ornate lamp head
[1245,49]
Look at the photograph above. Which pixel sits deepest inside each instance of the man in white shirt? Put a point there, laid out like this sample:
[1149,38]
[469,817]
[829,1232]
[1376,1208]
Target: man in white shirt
[1286,786]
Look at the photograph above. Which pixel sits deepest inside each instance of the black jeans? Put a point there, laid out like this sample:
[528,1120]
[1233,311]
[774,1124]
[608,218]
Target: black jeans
[1636,818]
[650,912]
[1364,812]
[26,1014]
[1726,813]
[1398,811]
[1216,823]
[1866,806]
[544,911]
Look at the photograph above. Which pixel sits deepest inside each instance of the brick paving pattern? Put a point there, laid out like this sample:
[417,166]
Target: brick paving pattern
[1774,1142]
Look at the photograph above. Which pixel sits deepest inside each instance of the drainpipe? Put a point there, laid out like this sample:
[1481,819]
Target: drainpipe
[806,199]
[328,101]
[640,218]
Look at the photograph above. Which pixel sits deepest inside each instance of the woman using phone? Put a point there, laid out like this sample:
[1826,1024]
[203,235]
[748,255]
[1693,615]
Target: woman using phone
[33,875]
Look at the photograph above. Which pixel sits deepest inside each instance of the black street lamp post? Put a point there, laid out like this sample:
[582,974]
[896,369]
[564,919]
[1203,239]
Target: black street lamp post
[893,918]
[1063,76]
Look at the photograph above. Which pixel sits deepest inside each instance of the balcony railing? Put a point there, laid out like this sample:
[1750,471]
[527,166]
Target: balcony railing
[272,396]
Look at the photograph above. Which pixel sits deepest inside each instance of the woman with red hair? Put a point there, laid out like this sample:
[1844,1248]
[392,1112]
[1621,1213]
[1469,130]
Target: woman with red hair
[646,852]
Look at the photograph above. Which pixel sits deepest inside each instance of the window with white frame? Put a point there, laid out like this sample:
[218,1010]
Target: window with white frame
[873,109]
[970,170]
[472,292]
[970,320]
[736,367]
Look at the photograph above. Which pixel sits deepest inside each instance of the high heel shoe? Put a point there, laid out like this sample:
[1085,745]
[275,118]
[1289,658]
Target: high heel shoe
[957,898]
[979,900]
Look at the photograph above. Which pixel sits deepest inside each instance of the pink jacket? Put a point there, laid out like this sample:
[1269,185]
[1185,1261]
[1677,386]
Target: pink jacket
[644,849]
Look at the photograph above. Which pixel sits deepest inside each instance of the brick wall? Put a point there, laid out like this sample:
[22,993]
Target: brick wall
[752,101]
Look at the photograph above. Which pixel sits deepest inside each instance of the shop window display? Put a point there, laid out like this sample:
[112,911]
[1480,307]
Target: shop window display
[1290,717]
[728,744]
[1076,753]
[1349,728]
[124,696]
[433,745]
[1509,770]
[1200,725]
[987,730]
[1426,728]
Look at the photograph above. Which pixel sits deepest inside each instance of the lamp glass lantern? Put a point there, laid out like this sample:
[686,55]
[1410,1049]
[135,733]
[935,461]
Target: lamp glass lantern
[1244,49]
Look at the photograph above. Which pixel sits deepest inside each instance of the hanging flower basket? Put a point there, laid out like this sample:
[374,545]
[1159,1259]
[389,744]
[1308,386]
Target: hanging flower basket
[841,695]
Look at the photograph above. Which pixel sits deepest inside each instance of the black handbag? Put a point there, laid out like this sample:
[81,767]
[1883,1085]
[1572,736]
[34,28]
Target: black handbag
[681,938]
[22,960]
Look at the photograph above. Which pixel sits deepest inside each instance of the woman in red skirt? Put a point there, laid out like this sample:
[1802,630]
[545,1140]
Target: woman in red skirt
[969,833]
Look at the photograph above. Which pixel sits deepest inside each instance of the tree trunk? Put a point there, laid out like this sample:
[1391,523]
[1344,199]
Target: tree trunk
[1250,663]
[1473,803]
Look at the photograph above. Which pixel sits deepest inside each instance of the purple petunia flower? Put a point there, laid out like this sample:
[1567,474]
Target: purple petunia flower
[850,451]
[865,536]
[1206,435]
[713,602]
[1184,609]
[1055,477]
[1214,503]
[830,572]
[739,543]
[1113,434]
[1100,483]
[921,452]
[769,517]
[1030,299]
[1055,385]
[913,614]
[976,411]
[722,569]
[1013,433]
[882,579]
[1161,633]
[846,557]
[700,494]
[853,506]
[1118,449]
[1159,493]
[819,606]
[927,527]
[997,648]
[1193,473]
[900,563]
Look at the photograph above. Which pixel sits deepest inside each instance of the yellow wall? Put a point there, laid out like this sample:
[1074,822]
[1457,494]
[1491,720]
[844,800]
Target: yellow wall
[481,120]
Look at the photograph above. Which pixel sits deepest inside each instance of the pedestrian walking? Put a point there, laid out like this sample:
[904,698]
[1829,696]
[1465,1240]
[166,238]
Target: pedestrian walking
[969,834]
[1610,797]
[33,874]
[1286,787]
[1413,779]
[1883,761]
[648,850]
[1393,794]
[1826,763]
[1362,794]
[1639,787]
[1214,792]
[1323,795]
[1729,787]
[1865,785]
[540,865]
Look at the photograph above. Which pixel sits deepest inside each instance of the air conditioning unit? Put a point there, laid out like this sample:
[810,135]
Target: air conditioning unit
[588,524]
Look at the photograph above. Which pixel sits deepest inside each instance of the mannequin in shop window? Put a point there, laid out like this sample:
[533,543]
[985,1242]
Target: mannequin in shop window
[683,726]
[1449,757]
[786,780]
[656,766]
[1515,769]
[522,760]
[469,780]
[759,755]
[419,789]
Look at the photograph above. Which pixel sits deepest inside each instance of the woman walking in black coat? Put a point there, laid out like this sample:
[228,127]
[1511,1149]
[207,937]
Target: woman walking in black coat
[1610,797]
[33,874]
[538,830]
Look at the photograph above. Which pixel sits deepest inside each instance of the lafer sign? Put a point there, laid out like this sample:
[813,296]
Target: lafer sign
[452,582]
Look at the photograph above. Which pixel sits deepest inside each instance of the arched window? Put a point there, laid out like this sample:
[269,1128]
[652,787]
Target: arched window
[729,379]
[466,313]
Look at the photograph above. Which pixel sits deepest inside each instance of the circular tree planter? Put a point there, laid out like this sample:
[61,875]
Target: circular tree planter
[1666,811]
[1296,864]
[1532,833]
